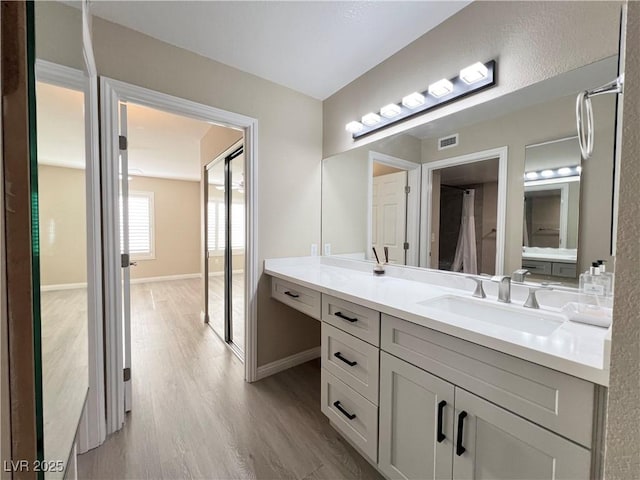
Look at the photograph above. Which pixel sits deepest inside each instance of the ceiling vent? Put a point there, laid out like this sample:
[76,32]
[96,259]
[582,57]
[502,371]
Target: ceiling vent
[449,141]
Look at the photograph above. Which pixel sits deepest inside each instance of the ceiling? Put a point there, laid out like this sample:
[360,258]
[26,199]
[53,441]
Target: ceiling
[160,144]
[471,173]
[314,47]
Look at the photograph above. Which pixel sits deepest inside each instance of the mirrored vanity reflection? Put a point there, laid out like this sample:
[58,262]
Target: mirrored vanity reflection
[551,208]
[491,189]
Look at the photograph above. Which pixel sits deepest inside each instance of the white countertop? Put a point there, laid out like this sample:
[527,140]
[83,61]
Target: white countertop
[575,349]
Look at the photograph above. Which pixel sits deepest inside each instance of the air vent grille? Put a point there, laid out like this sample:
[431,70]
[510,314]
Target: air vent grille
[448,142]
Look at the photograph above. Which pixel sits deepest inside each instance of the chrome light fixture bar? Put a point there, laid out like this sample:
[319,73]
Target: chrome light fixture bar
[472,79]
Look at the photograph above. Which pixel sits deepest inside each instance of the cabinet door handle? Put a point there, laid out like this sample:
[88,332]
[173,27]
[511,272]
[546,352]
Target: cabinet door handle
[441,435]
[459,447]
[350,416]
[348,362]
[344,317]
[292,295]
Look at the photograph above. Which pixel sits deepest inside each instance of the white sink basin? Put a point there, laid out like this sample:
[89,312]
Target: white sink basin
[537,323]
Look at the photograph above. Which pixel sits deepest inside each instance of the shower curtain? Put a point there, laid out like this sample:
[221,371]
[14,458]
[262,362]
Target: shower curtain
[466,256]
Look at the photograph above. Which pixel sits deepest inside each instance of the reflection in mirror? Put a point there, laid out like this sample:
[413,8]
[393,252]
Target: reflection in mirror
[464,205]
[63,264]
[445,148]
[551,209]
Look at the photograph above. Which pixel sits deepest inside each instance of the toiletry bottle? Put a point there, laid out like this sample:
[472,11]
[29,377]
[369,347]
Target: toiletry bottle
[608,275]
[591,289]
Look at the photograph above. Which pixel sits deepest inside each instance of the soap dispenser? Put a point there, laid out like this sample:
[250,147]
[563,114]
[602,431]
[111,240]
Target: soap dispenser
[608,276]
[590,284]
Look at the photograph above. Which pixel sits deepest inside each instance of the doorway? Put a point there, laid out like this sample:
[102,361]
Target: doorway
[116,338]
[225,216]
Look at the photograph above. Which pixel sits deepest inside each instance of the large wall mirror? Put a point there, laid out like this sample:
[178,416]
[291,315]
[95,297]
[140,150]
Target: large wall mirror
[491,189]
[60,103]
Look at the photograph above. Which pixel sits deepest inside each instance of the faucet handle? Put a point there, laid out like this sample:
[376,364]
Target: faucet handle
[532,300]
[479,291]
[518,275]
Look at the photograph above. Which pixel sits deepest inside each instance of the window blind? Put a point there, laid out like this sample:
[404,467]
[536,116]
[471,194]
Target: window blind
[216,226]
[140,224]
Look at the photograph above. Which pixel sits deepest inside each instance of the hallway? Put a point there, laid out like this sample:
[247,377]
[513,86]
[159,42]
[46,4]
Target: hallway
[194,417]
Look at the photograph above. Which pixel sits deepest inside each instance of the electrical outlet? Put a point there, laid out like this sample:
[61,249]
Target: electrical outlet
[327,249]
[314,249]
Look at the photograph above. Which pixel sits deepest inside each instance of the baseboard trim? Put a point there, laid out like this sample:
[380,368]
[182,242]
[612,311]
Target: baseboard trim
[62,286]
[287,362]
[166,278]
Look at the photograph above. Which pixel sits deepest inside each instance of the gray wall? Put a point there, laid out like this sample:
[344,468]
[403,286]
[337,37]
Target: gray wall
[622,454]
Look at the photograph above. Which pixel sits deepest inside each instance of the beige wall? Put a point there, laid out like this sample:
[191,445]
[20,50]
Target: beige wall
[547,121]
[176,227]
[532,41]
[289,151]
[63,239]
[216,141]
[622,454]
[344,192]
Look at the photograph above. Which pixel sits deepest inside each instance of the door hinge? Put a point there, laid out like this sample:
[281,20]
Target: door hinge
[406,245]
[125,260]
[127,374]
[407,189]
[123,142]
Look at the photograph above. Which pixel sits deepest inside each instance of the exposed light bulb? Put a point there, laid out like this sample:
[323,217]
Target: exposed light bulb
[547,173]
[531,175]
[390,111]
[441,88]
[353,127]
[371,119]
[564,171]
[474,73]
[413,100]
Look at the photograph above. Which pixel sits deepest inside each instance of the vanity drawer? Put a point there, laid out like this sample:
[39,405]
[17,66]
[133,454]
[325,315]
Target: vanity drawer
[537,266]
[352,360]
[296,296]
[360,321]
[564,270]
[559,402]
[351,414]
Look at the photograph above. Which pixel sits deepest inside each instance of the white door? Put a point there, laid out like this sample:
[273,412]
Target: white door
[389,215]
[492,443]
[416,422]
[126,258]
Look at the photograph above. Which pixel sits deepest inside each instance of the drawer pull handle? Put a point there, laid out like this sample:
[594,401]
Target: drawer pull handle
[338,355]
[344,317]
[350,416]
[292,295]
[459,447]
[441,435]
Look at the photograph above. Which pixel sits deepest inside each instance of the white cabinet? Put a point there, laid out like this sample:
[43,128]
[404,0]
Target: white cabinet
[422,429]
[494,444]
[416,422]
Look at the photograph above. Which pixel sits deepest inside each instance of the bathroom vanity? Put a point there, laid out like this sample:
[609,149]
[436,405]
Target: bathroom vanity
[428,382]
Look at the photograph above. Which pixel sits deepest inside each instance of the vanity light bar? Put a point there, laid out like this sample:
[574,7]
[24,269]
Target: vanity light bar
[471,79]
[571,171]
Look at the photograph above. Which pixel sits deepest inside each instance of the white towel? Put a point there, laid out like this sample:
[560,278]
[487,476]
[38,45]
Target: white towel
[589,314]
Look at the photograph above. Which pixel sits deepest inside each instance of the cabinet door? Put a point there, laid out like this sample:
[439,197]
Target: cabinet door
[416,422]
[492,443]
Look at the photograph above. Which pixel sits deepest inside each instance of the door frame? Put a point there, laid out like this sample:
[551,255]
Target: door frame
[112,92]
[413,202]
[501,153]
[92,430]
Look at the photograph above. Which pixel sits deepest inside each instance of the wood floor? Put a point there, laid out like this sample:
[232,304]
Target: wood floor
[194,416]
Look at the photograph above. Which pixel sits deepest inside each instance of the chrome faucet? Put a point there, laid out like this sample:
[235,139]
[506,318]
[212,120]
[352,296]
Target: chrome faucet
[479,291]
[504,287]
[532,301]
